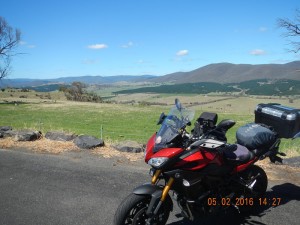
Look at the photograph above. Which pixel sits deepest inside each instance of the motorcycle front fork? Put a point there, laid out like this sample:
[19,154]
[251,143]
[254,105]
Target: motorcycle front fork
[158,197]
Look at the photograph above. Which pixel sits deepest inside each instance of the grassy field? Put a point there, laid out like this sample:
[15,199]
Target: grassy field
[123,121]
[118,121]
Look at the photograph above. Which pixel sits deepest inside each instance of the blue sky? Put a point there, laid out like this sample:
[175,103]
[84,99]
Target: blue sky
[133,37]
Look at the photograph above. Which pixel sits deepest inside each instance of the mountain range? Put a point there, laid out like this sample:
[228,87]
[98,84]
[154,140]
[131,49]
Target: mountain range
[18,83]
[218,73]
[234,73]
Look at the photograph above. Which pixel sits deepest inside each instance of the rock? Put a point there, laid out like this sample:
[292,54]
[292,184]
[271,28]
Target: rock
[5,128]
[9,133]
[129,146]
[60,136]
[88,142]
[27,135]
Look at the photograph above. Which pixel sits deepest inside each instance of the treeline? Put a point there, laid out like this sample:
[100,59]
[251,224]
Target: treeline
[267,87]
[189,88]
[77,92]
[253,87]
[46,88]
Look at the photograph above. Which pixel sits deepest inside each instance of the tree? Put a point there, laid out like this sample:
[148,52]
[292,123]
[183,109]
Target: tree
[9,39]
[76,92]
[292,31]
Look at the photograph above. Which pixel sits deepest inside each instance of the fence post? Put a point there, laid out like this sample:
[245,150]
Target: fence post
[40,124]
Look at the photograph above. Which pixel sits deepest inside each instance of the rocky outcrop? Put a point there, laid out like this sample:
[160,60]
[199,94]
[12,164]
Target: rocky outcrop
[82,141]
[22,135]
[28,135]
[5,128]
[129,146]
[88,142]
[60,136]
[9,133]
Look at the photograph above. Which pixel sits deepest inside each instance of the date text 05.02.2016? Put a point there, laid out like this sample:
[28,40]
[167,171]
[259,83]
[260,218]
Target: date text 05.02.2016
[243,201]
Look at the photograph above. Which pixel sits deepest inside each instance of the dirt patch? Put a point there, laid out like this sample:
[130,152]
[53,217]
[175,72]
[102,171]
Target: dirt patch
[280,172]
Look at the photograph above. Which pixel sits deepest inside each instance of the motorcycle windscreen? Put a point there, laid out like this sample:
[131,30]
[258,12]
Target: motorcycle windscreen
[165,136]
[171,126]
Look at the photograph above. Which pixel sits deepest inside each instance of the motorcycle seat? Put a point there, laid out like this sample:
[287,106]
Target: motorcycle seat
[237,154]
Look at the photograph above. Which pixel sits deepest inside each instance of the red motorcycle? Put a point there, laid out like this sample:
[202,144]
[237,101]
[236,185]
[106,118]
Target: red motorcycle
[205,174]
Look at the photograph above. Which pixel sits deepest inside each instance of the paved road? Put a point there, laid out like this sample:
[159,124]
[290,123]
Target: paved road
[78,188]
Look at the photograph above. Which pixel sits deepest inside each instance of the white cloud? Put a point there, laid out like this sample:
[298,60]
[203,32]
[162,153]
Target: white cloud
[182,52]
[128,45]
[263,29]
[257,52]
[98,46]
[31,46]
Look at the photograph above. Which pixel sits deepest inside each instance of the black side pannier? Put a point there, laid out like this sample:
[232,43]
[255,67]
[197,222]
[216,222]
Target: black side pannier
[285,120]
[255,136]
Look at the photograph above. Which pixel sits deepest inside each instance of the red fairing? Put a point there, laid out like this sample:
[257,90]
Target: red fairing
[166,152]
[149,148]
[202,158]
[242,167]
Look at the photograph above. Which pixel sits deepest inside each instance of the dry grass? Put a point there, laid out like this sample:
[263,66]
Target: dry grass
[41,146]
[109,152]
[57,147]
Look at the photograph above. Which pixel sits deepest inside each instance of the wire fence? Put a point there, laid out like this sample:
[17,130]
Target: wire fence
[104,129]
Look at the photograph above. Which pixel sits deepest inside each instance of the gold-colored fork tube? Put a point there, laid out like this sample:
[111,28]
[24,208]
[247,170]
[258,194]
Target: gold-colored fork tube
[167,189]
[155,176]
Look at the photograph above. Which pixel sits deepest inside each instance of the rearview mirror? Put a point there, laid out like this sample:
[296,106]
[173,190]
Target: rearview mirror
[296,136]
[178,104]
[161,118]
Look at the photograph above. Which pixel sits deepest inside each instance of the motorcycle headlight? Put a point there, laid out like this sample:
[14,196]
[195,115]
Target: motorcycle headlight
[156,162]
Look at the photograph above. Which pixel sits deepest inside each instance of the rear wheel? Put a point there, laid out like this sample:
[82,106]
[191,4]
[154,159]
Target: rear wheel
[256,177]
[132,211]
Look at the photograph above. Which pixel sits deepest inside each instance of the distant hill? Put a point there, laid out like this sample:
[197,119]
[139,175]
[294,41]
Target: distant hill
[103,79]
[20,83]
[222,73]
[253,87]
[234,73]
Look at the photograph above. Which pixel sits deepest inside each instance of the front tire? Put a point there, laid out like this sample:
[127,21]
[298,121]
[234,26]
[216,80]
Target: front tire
[132,211]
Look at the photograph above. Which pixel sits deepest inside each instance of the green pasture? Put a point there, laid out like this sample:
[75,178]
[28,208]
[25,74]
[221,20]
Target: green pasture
[117,121]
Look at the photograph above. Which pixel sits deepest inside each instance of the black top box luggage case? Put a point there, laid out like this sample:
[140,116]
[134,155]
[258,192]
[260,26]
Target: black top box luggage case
[285,120]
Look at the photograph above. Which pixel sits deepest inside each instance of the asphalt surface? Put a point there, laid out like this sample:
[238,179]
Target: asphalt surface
[80,188]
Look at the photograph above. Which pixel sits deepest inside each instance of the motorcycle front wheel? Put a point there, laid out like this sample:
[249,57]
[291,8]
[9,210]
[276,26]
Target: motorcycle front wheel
[132,211]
